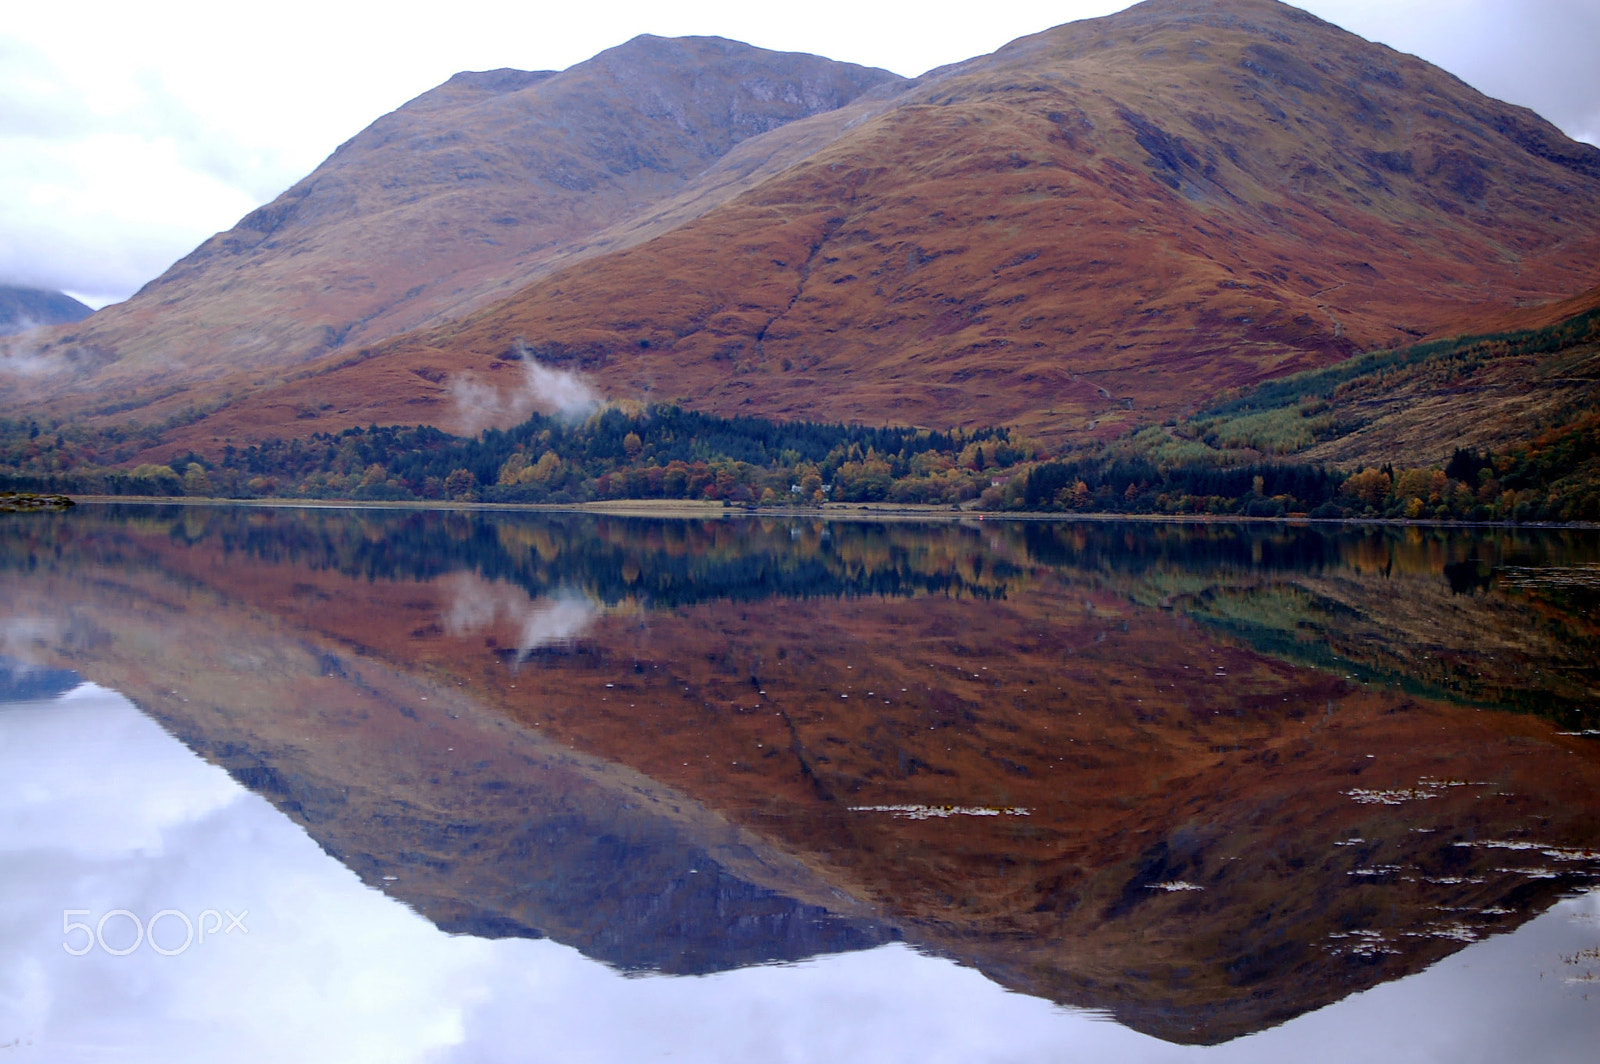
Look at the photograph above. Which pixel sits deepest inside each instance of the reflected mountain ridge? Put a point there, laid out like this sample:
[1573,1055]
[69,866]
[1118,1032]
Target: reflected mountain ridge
[545,845]
[1109,780]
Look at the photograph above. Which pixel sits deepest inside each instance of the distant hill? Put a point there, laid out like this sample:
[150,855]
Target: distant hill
[1102,226]
[27,308]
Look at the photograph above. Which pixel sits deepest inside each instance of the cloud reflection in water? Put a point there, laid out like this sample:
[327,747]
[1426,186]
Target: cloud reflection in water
[477,604]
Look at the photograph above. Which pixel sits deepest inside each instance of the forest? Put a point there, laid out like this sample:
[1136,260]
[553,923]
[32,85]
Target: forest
[1252,453]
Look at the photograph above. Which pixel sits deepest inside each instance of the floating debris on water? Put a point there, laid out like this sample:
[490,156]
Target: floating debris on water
[1563,854]
[1374,870]
[1550,576]
[1453,932]
[1555,853]
[1173,885]
[927,812]
[1360,943]
[1394,797]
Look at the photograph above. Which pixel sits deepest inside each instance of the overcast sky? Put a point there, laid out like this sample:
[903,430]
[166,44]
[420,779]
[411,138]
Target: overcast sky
[131,132]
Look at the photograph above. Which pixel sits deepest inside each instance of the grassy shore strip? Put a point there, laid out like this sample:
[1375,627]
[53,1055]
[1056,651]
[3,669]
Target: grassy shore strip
[27,502]
[685,509]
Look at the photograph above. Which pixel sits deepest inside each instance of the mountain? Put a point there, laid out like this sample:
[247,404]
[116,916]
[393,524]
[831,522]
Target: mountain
[22,309]
[1095,227]
[466,192]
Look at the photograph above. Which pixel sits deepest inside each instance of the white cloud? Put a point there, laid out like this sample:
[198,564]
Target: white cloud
[479,404]
[103,213]
[103,186]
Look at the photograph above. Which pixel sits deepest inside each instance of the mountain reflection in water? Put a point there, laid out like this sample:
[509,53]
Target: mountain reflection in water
[1202,779]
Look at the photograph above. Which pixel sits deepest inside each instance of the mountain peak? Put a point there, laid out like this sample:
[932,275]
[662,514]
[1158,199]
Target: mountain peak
[504,79]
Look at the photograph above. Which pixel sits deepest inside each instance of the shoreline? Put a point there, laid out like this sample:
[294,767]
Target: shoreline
[34,502]
[688,509]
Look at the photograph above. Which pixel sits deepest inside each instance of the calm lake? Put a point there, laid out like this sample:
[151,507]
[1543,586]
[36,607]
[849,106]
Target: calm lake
[307,784]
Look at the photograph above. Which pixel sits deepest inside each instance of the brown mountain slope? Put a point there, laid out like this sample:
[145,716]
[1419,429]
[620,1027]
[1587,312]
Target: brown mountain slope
[1098,224]
[469,190]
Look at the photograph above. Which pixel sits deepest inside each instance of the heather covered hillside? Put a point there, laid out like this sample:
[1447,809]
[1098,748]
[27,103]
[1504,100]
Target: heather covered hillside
[1095,228]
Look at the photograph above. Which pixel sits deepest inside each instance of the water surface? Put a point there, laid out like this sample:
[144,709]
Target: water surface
[500,786]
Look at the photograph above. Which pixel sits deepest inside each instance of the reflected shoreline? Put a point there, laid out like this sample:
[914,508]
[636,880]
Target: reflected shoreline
[915,513]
